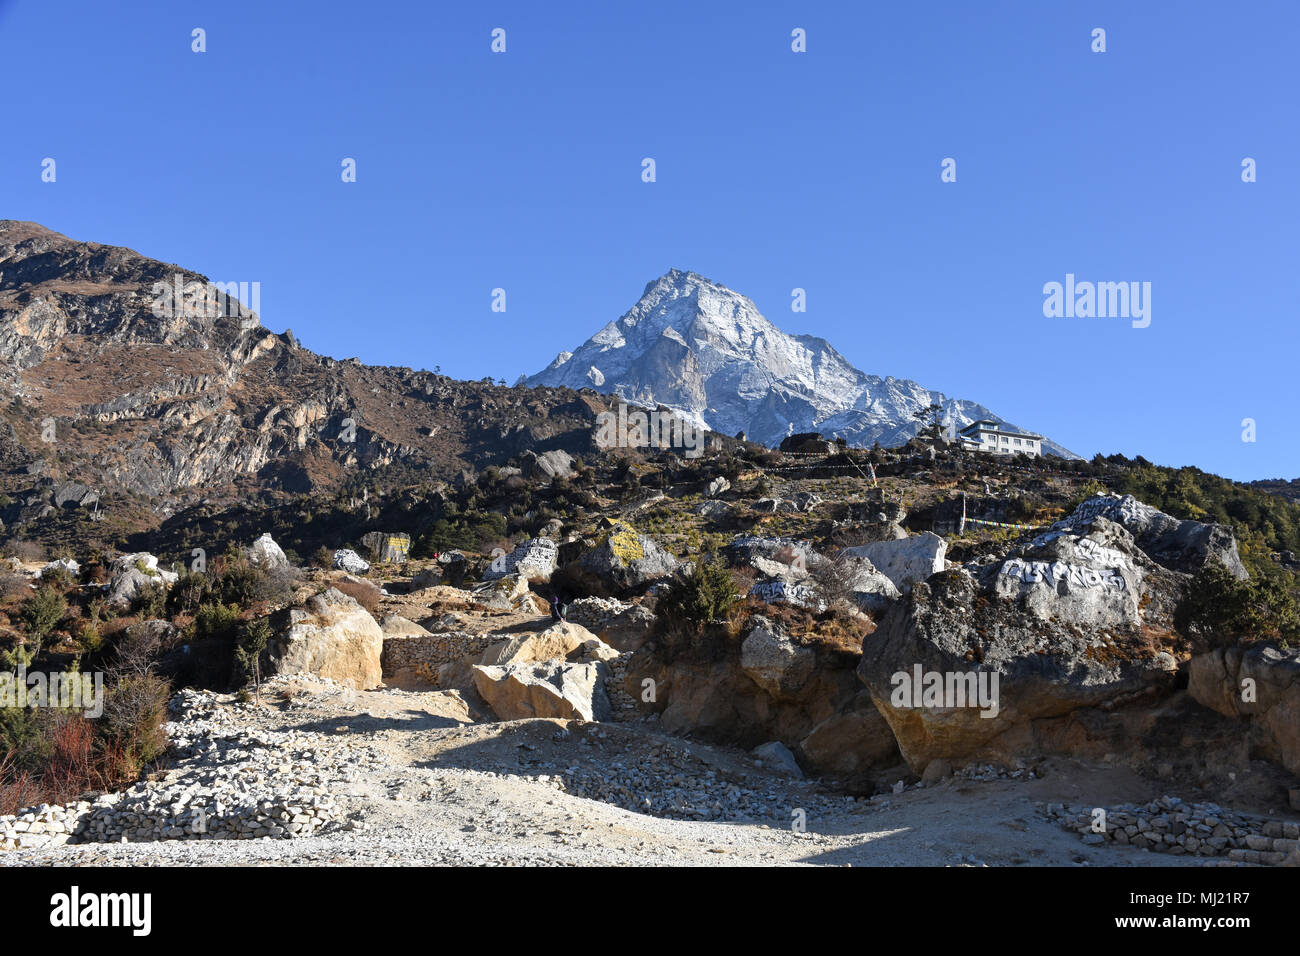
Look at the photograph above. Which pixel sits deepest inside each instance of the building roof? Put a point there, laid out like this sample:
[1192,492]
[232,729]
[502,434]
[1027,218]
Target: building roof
[1000,428]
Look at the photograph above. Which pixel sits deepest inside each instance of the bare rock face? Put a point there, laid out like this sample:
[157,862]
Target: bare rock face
[331,636]
[1259,684]
[549,688]
[563,640]
[850,743]
[905,561]
[807,698]
[977,661]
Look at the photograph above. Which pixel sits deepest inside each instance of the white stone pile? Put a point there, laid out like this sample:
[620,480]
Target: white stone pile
[232,781]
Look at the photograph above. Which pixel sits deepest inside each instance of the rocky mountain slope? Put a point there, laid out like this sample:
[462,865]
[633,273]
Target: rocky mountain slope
[113,392]
[697,346]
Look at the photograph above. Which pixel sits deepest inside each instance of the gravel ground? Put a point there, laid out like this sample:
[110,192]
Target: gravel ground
[416,783]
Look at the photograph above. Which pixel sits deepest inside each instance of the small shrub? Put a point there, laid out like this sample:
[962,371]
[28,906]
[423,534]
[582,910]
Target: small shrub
[41,612]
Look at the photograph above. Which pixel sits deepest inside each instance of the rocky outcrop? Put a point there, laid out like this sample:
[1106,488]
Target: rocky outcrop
[561,641]
[551,464]
[1260,685]
[628,560]
[131,574]
[548,688]
[266,554]
[905,561]
[1178,544]
[330,636]
[387,547]
[775,688]
[978,661]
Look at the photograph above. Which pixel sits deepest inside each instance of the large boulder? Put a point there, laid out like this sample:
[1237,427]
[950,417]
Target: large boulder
[394,625]
[131,574]
[904,561]
[563,640]
[978,662]
[868,588]
[345,559]
[330,636]
[1178,544]
[548,688]
[1259,684]
[387,547]
[627,559]
[551,464]
[266,554]
[534,559]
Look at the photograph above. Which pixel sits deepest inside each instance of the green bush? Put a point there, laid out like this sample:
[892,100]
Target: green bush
[704,597]
[41,612]
[1224,611]
[216,622]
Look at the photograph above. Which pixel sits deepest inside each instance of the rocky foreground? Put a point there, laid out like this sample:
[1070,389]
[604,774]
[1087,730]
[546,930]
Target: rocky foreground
[319,774]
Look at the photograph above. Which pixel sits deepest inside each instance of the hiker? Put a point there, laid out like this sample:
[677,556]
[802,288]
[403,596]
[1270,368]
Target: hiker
[557,609]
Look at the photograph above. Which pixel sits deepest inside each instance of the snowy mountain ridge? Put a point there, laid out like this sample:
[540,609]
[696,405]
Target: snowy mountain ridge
[707,352]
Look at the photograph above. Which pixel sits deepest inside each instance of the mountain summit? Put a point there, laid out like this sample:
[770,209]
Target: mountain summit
[696,346]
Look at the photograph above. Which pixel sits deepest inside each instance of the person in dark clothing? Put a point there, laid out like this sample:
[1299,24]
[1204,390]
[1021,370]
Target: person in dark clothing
[557,609]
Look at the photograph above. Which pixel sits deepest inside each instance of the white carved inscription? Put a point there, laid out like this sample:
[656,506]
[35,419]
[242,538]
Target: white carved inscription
[1051,572]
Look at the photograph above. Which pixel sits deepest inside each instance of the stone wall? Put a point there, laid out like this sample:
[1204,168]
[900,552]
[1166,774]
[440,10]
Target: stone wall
[420,657]
[1169,825]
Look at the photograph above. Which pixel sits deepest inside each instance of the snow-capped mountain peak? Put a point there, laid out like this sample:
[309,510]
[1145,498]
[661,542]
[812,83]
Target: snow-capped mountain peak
[696,346]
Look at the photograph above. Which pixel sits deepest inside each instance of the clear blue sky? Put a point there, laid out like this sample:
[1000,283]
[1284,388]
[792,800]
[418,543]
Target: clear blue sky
[775,170]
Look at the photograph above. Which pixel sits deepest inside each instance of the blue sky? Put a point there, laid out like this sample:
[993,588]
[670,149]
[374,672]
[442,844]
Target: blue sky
[775,170]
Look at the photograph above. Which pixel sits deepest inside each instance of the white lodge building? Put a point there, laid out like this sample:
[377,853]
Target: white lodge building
[995,438]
